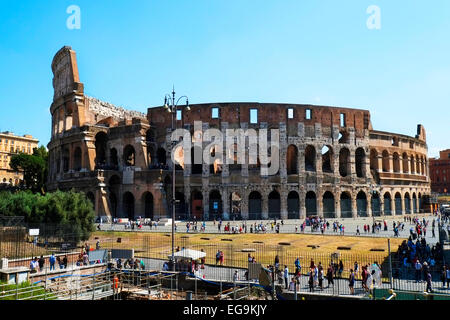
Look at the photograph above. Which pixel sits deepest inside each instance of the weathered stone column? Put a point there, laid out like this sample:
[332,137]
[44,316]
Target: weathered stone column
[283,204]
[369,205]
[244,204]
[265,206]
[403,205]
[205,203]
[354,206]
[225,204]
[302,195]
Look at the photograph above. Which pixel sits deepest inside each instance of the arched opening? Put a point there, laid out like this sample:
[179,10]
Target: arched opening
[373,160]
[148,205]
[376,204]
[344,162]
[196,167]
[414,203]
[417,165]
[216,167]
[128,205]
[420,202]
[129,156]
[293,205]
[422,165]
[327,159]
[398,204]
[101,140]
[405,162]
[114,159]
[346,205]
[387,204]
[77,159]
[91,198]
[150,136]
[215,204]
[274,205]
[311,204]
[310,158]
[113,204]
[328,205]
[161,156]
[151,157]
[233,154]
[292,159]
[411,165]
[180,205]
[197,205]
[361,204]
[235,205]
[407,203]
[396,162]
[360,162]
[66,160]
[386,166]
[254,206]
[343,137]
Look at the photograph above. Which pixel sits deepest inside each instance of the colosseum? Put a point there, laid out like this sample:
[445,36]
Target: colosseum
[332,163]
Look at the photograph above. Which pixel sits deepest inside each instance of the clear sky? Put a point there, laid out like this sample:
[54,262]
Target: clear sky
[301,51]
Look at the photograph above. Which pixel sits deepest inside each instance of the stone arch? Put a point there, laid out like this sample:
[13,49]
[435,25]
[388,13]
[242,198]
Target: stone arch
[417,165]
[411,165]
[216,166]
[414,203]
[346,204]
[197,168]
[255,206]
[405,162]
[407,201]
[147,200]
[161,156]
[66,159]
[150,136]
[387,204]
[376,204]
[101,140]
[113,158]
[373,160]
[422,166]
[113,204]
[344,137]
[292,159]
[77,157]
[128,205]
[398,204]
[293,205]
[129,156]
[151,156]
[236,205]
[361,204]
[360,162]
[386,165]
[396,162]
[197,204]
[329,210]
[274,205]
[327,159]
[311,203]
[344,162]
[310,158]
[215,204]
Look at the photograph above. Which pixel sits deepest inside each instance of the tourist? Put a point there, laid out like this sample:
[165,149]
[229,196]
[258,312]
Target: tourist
[330,275]
[341,268]
[217,257]
[369,282]
[320,275]
[41,263]
[277,262]
[286,276]
[429,280]
[311,280]
[64,262]
[292,285]
[443,275]
[447,276]
[221,258]
[33,265]
[351,282]
[52,260]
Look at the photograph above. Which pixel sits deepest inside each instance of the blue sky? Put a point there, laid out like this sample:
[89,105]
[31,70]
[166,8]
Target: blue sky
[320,52]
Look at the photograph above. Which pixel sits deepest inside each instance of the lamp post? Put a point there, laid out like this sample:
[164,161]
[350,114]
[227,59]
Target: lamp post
[171,106]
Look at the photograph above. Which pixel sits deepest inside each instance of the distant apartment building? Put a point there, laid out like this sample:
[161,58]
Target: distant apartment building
[11,144]
[440,172]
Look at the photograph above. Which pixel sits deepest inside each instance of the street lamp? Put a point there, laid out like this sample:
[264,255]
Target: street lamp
[171,106]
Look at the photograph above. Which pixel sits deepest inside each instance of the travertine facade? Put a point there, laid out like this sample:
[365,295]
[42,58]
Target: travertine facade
[332,162]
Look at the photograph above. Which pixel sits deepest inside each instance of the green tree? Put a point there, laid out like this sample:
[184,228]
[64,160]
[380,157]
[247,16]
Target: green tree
[34,167]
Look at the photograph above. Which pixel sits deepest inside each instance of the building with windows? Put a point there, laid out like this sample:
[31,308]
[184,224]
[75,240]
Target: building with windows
[332,163]
[440,172]
[11,144]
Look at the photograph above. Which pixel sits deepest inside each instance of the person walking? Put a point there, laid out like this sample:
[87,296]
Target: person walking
[447,276]
[418,268]
[341,268]
[351,282]
[429,281]
[64,262]
[320,276]
[311,280]
[41,263]
[330,275]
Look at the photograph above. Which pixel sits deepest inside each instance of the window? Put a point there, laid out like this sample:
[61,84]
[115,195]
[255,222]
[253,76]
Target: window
[290,113]
[215,113]
[342,119]
[253,115]
[179,114]
[308,114]
[12,142]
